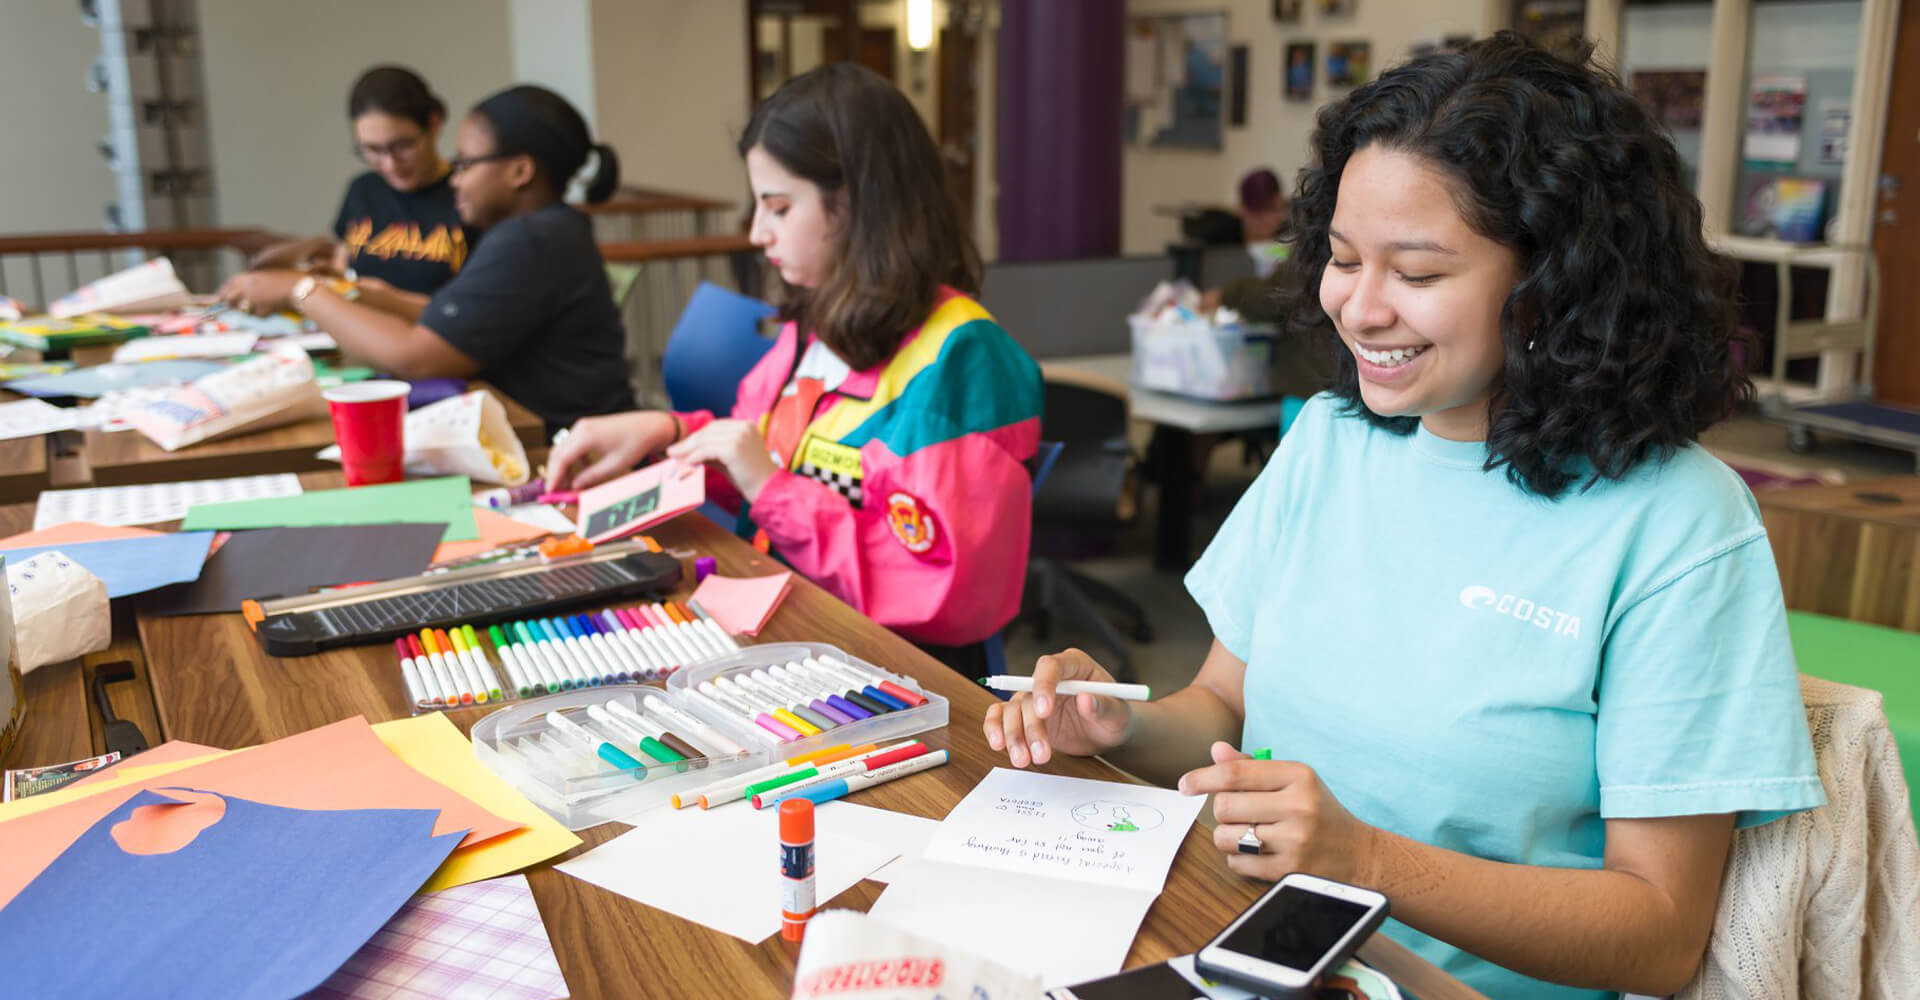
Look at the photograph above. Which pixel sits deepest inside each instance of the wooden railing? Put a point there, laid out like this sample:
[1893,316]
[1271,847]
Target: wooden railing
[668,272]
[636,214]
[37,268]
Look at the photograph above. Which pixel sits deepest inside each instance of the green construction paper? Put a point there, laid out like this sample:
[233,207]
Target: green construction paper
[447,500]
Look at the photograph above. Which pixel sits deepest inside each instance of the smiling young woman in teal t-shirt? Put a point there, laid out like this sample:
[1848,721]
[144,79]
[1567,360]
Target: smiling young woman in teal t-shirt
[1515,640]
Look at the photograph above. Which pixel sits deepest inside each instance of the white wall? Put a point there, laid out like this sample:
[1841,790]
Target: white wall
[670,84]
[277,74]
[1277,129]
[552,44]
[51,177]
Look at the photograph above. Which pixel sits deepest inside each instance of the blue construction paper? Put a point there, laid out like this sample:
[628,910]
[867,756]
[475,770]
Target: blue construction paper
[133,565]
[267,902]
[99,380]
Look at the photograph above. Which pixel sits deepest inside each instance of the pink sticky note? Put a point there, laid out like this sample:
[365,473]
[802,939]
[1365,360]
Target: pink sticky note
[640,499]
[742,606]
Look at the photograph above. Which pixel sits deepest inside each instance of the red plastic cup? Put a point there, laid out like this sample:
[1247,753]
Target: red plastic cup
[368,422]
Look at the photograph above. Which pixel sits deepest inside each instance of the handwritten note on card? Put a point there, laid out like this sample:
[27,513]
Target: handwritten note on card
[1070,828]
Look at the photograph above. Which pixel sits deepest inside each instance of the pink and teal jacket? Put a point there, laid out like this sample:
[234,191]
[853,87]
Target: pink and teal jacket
[907,496]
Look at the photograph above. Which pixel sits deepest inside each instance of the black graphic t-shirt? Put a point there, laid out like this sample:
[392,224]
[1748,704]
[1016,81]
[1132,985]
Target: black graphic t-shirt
[412,240]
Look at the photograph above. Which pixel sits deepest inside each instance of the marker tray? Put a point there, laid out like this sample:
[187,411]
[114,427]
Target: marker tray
[878,729]
[576,787]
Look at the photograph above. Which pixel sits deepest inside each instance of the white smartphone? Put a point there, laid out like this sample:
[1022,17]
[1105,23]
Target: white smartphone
[1303,928]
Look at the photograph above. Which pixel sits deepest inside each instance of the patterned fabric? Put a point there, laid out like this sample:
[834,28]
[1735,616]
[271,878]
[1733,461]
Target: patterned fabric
[480,941]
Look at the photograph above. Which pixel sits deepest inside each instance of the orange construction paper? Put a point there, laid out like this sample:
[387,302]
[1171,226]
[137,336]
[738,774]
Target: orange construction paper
[496,529]
[166,828]
[73,531]
[340,766]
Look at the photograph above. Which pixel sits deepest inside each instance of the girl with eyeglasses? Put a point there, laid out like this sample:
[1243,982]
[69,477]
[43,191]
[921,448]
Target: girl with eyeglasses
[397,227]
[531,312]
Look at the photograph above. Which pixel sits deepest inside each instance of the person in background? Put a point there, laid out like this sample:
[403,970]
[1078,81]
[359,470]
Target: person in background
[1263,210]
[397,229]
[532,312]
[1514,640]
[879,447]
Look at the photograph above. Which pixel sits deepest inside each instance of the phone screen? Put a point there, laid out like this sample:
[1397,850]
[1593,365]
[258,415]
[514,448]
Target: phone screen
[1154,982]
[1295,928]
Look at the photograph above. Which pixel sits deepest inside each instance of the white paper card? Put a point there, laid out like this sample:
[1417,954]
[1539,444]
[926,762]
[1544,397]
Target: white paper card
[1062,932]
[719,867]
[154,502]
[1104,832]
[1026,851]
[28,417]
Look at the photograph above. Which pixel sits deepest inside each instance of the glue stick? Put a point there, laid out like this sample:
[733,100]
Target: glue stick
[796,867]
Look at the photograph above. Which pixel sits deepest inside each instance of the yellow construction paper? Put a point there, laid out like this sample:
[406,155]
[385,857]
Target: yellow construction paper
[434,747]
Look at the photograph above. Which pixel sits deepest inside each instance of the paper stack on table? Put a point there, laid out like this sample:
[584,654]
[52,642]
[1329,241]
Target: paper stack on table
[148,287]
[33,417]
[1026,850]
[697,863]
[262,871]
[155,502]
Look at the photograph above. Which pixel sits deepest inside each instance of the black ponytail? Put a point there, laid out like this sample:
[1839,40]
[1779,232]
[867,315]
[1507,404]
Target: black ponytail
[396,91]
[606,174]
[541,124]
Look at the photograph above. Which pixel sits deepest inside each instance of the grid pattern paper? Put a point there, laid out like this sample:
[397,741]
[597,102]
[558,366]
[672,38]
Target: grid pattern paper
[481,941]
[154,502]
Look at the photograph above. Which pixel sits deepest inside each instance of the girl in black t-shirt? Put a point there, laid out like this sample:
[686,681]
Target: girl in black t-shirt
[397,228]
[532,312]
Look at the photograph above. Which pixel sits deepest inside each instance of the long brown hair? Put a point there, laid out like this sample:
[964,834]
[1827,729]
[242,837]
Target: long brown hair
[855,137]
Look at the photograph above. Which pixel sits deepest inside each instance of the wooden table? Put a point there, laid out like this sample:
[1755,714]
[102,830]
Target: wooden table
[23,463]
[122,458]
[1850,551]
[212,684]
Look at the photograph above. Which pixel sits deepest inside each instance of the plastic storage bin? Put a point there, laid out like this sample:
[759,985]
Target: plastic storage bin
[1192,357]
[579,789]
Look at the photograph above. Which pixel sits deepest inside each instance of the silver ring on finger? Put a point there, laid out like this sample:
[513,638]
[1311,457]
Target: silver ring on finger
[1249,842]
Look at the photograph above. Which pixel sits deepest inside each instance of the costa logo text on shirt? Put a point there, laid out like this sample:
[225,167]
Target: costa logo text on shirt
[1538,615]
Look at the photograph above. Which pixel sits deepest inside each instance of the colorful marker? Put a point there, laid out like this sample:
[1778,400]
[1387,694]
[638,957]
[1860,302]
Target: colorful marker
[735,787]
[437,688]
[766,791]
[450,674]
[487,673]
[411,675]
[835,788]
[718,740]
[455,652]
[605,750]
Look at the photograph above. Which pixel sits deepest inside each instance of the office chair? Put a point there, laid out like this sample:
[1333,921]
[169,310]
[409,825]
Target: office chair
[1086,501]
[713,345]
[1038,466]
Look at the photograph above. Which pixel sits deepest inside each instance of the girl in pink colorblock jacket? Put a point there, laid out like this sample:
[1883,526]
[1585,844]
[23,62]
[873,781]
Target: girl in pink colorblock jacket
[879,446]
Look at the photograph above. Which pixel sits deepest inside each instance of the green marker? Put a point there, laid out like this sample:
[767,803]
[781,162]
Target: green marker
[1261,754]
[489,674]
[528,642]
[510,661]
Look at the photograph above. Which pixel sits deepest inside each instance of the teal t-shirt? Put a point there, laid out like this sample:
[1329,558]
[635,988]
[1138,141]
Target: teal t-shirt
[1479,668]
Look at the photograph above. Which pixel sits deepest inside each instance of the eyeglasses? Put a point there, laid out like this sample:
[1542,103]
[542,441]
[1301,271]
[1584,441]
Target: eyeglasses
[398,149]
[460,163]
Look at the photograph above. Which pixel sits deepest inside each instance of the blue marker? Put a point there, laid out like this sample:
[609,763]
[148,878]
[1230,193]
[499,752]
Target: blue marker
[883,698]
[590,637]
[576,641]
[568,653]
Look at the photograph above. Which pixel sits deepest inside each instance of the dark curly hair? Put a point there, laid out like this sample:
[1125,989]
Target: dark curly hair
[1619,333]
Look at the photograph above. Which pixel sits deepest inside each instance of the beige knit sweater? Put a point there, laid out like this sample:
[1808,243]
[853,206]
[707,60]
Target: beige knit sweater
[1825,903]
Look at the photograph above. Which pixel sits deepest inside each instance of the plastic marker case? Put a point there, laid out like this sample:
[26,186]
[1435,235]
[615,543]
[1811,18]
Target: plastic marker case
[577,786]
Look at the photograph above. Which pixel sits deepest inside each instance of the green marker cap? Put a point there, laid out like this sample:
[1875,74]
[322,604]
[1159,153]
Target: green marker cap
[1261,754]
